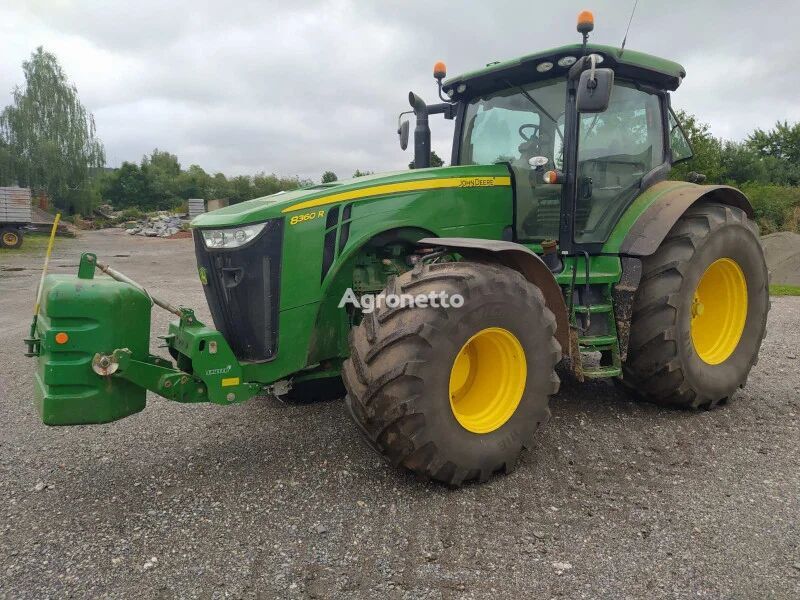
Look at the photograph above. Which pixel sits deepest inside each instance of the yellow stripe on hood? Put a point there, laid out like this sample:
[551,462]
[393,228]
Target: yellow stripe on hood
[408,186]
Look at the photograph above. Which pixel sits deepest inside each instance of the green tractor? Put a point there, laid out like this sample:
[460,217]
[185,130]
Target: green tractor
[445,298]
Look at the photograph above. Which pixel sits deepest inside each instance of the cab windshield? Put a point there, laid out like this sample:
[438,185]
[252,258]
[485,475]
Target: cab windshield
[512,126]
[515,124]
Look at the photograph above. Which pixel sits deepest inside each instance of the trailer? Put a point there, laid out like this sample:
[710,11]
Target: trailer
[15,215]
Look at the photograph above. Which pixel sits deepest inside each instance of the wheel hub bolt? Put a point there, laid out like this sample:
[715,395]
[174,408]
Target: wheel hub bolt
[697,308]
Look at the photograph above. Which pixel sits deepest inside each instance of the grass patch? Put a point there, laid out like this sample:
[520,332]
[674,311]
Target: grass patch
[784,290]
[31,243]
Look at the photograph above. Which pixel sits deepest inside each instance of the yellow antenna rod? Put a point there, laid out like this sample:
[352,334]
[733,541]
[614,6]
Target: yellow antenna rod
[46,263]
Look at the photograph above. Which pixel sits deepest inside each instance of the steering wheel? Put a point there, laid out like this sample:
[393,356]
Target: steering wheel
[525,126]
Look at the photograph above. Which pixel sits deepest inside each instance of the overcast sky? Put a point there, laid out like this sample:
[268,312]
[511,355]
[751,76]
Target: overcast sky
[299,87]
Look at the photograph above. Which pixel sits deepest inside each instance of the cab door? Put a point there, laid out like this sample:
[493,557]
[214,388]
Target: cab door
[617,149]
[512,126]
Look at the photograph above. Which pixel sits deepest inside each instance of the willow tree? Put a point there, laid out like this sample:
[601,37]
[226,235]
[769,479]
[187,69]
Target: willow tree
[50,136]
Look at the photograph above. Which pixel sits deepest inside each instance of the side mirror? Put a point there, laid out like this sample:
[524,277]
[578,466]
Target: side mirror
[402,131]
[594,90]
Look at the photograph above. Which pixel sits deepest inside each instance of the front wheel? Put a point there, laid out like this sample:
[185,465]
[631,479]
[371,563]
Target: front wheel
[454,394]
[700,312]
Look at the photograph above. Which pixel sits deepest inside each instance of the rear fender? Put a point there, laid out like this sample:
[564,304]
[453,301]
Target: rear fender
[645,225]
[668,201]
[521,259]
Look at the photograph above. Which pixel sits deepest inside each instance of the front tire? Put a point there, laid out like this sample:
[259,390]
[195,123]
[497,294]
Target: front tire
[700,312]
[454,394]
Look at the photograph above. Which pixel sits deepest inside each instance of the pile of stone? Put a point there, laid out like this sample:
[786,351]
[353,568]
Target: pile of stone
[162,224]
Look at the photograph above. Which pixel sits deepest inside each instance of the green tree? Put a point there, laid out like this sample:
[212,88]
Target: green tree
[164,163]
[436,161]
[220,187]
[739,163]
[779,149]
[781,142]
[241,189]
[6,164]
[50,136]
[130,186]
[162,169]
[360,173]
[266,185]
[329,177]
[193,183]
[707,150]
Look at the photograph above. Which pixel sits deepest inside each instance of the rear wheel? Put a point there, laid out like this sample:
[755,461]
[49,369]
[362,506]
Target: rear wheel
[10,237]
[700,312]
[454,394]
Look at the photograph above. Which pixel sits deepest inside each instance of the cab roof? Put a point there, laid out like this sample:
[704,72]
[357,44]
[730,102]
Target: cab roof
[628,64]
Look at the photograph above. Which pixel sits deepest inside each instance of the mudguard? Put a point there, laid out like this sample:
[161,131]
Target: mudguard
[660,207]
[519,258]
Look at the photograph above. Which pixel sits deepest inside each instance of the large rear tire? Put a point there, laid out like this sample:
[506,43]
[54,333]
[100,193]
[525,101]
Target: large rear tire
[700,312]
[454,394]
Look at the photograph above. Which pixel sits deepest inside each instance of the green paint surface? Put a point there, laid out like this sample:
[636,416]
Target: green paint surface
[629,58]
[311,326]
[636,209]
[97,315]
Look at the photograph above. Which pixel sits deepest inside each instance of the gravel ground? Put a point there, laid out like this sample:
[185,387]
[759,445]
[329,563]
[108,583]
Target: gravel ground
[619,499]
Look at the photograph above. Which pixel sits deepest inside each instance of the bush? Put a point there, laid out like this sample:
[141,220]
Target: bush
[777,207]
[131,214]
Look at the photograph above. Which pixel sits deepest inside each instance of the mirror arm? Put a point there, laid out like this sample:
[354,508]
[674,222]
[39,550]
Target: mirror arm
[441,95]
[448,109]
[400,118]
[581,65]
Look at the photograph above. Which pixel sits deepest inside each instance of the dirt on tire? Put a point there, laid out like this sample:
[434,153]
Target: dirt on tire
[398,373]
[662,365]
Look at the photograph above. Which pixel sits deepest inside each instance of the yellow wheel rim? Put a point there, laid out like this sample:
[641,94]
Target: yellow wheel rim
[487,380]
[9,239]
[719,311]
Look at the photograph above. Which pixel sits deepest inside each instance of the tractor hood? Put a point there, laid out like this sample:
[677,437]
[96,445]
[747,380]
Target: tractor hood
[383,184]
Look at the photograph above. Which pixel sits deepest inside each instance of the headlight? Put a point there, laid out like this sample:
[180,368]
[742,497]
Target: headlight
[232,237]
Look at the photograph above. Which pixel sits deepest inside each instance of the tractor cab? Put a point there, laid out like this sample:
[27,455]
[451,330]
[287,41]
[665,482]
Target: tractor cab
[575,168]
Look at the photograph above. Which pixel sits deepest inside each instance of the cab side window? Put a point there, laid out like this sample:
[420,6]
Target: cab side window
[678,143]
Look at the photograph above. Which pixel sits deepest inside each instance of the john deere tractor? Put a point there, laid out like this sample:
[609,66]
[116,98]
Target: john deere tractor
[555,234]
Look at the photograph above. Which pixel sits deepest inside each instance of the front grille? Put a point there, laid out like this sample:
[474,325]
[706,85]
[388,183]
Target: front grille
[243,291]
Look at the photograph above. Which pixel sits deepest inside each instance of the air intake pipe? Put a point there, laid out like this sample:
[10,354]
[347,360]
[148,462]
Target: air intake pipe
[422,132]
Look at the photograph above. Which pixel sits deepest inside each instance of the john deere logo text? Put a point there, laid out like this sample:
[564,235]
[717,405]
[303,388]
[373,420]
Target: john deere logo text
[220,371]
[477,182]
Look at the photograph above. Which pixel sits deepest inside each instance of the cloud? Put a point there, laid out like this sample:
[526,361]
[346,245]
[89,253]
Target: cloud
[302,87]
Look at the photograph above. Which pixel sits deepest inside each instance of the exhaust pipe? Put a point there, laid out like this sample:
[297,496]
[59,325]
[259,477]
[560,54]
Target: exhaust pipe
[422,132]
